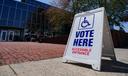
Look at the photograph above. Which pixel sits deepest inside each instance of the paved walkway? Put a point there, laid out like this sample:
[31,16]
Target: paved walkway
[55,67]
[17,52]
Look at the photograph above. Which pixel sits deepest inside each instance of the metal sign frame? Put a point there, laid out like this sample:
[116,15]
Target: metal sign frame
[100,43]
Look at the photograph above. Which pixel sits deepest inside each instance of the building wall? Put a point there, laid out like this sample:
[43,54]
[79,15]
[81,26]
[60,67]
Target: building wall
[15,16]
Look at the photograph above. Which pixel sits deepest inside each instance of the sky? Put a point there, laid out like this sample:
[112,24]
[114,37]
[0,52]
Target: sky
[125,24]
[46,1]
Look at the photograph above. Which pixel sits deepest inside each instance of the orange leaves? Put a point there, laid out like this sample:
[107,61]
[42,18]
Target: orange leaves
[58,17]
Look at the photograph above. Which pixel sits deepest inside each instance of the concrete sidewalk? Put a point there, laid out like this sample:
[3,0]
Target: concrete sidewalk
[55,67]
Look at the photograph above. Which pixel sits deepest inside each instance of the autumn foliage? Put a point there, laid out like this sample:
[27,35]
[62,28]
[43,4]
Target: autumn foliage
[59,19]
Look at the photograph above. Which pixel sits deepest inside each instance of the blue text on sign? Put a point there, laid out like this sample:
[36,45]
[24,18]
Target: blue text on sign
[84,38]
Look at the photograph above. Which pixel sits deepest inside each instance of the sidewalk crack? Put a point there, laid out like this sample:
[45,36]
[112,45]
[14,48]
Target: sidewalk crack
[13,70]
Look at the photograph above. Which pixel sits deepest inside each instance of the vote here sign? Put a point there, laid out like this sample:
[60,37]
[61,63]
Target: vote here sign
[85,40]
[84,36]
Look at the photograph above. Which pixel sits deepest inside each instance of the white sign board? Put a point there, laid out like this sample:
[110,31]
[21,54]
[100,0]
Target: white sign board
[90,39]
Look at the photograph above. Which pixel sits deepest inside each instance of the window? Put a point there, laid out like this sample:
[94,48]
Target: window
[1,2]
[17,18]
[31,8]
[29,17]
[10,3]
[34,18]
[0,10]
[23,18]
[4,35]
[11,13]
[18,14]
[3,22]
[23,15]
[22,6]
[22,24]
[5,13]
[16,23]
[10,22]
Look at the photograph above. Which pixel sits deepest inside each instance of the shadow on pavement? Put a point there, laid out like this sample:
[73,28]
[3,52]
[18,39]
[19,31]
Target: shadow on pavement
[108,66]
[81,65]
[114,66]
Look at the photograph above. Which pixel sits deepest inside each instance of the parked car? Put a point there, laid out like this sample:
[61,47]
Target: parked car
[30,37]
[33,37]
[27,37]
[40,38]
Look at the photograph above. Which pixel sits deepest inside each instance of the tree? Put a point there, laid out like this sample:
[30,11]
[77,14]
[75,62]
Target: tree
[60,20]
[115,9]
[38,21]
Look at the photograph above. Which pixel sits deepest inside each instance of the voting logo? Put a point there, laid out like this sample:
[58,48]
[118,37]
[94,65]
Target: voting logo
[86,22]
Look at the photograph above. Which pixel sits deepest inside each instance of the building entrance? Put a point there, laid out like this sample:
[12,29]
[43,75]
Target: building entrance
[6,35]
[3,36]
[10,35]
